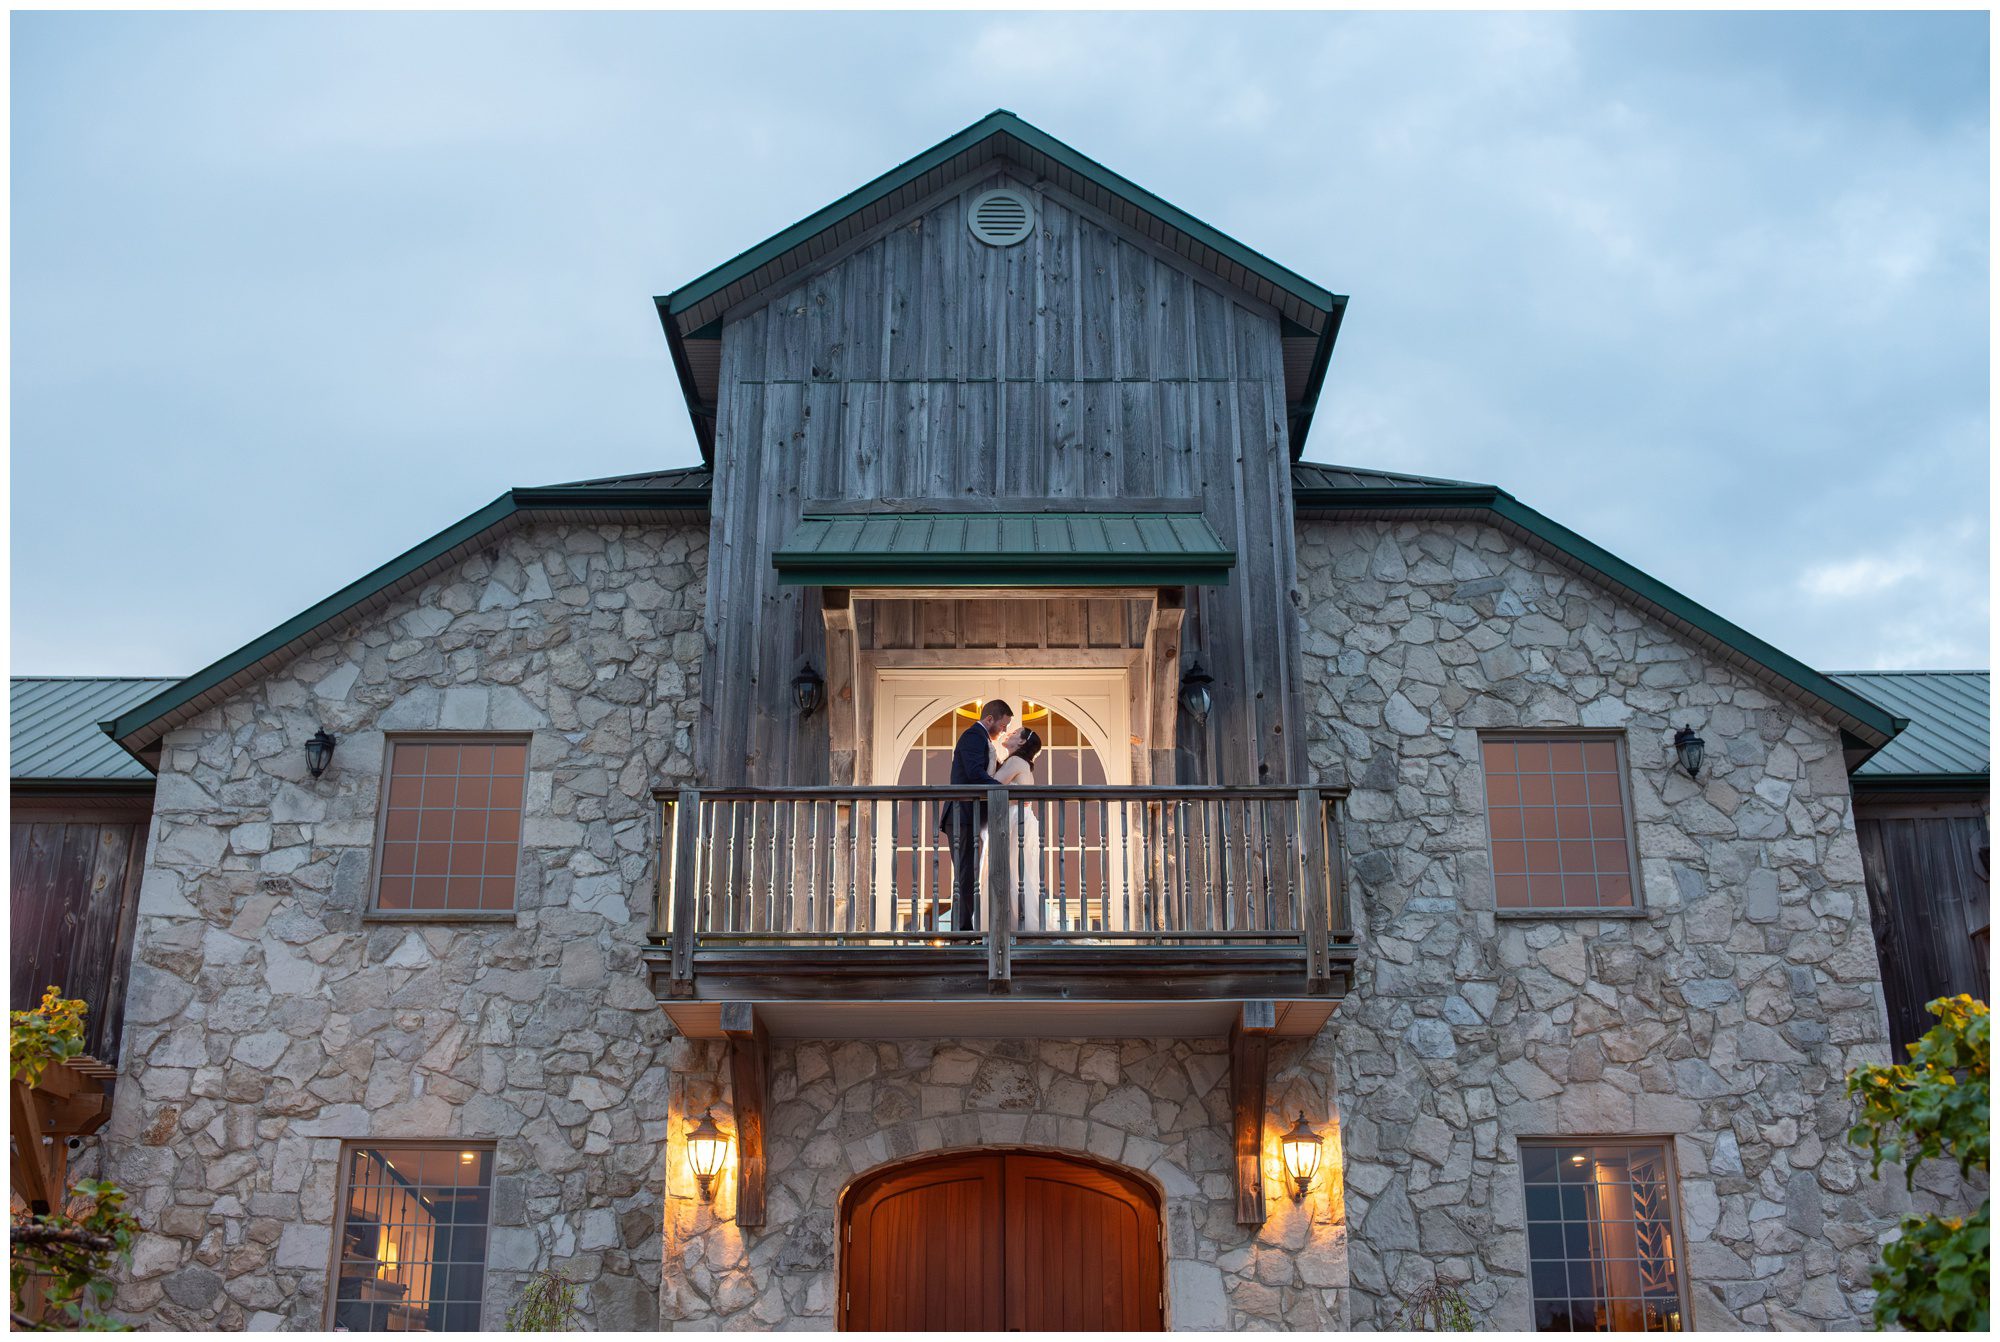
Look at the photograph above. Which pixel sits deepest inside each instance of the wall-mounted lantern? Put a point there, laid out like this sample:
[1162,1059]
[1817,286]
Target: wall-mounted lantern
[319,752]
[808,691]
[1302,1153]
[1689,747]
[1195,697]
[708,1148]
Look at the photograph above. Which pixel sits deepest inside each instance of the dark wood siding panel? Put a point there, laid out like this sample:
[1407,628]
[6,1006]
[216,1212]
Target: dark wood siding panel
[1924,893]
[925,365]
[75,889]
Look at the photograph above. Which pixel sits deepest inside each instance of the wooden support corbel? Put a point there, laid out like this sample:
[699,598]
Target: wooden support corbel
[1249,1062]
[749,1069]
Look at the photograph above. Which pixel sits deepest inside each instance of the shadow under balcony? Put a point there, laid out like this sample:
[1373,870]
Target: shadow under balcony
[1100,912]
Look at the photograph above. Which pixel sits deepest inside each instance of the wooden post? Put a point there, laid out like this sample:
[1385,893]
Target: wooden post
[749,1066]
[686,835]
[999,889]
[1249,1061]
[1316,888]
[1163,663]
[836,613]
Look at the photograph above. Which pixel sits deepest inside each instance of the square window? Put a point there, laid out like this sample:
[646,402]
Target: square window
[412,1239]
[1601,1240]
[451,820]
[1556,820]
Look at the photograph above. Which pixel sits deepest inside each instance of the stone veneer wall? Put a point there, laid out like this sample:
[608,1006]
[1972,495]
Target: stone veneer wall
[269,1018]
[1160,1107]
[1726,1017]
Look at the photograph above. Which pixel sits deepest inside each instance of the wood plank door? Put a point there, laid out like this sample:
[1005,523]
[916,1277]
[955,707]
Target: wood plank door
[1083,1249]
[1015,1241]
[924,1248]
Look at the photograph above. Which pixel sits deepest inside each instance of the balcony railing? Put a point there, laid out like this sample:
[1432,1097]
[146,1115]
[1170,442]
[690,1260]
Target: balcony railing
[861,882]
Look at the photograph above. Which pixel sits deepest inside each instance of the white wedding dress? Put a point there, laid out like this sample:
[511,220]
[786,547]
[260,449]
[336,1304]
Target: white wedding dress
[1024,857]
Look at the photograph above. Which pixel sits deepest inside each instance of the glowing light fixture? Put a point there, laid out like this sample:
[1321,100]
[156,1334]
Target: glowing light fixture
[1302,1153]
[708,1147]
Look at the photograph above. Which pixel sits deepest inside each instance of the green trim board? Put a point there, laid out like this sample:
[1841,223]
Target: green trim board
[1873,726]
[1208,247]
[1004,550]
[139,727]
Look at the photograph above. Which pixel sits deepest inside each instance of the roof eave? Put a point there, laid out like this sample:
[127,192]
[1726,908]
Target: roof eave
[1316,377]
[129,729]
[1870,724]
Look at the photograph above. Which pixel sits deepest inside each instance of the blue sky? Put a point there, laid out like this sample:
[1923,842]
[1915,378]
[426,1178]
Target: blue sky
[292,292]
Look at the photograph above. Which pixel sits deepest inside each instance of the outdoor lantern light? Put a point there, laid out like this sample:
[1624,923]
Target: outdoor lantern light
[1689,747]
[1302,1151]
[707,1149]
[319,752]
[1195,697]
[808,690]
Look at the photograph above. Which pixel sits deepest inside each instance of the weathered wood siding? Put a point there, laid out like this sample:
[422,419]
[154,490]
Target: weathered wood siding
[1927,898]
[75,891]
[924,365]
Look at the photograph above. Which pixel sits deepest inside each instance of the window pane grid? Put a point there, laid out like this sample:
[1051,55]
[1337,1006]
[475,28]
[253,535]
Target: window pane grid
[1601,1246]
[413,1239]
[1556,815]
[451,826]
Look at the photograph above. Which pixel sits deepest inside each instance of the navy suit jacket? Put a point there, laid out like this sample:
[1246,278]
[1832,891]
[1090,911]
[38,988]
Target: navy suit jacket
[968,768]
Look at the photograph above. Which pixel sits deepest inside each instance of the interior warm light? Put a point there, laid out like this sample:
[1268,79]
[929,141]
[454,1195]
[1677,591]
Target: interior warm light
[1302,1152]
[385,1253]
[708,1147]
[467,1157]
[1576,1159]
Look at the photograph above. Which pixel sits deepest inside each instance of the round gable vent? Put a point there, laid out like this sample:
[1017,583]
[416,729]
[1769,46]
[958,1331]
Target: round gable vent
[1001,218]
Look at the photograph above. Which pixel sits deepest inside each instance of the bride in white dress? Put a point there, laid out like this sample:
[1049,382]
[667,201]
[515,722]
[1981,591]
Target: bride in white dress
[1025,838]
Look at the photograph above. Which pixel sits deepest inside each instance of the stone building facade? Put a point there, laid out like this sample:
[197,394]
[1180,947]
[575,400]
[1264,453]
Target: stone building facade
[1727,1017]
[276,1018]
[271,1016]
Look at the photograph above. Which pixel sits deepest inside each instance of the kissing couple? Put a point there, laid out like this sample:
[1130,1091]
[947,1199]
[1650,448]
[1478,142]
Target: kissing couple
[993,753]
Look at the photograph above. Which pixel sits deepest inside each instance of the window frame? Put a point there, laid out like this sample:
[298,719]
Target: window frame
[1616,736]
[1669,1153]
[374,912]
[344,1183]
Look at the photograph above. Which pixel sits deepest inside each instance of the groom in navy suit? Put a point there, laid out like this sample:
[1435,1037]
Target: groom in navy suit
[961,821]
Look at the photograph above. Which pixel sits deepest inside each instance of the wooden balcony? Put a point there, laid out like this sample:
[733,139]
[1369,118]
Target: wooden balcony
[1100,911]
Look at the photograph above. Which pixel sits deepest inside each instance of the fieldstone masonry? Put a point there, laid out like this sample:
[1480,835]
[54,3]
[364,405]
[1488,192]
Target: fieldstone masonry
[270,1017]
[1724,1019]
[1158,1107]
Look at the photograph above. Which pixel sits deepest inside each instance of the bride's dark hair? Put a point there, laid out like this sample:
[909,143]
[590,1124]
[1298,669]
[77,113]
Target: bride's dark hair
[1031,746]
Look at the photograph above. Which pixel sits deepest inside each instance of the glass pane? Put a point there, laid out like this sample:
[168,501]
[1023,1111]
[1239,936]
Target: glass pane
[412,1239]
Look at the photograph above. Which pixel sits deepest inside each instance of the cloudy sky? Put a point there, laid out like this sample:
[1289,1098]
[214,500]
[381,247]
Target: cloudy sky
[291,293]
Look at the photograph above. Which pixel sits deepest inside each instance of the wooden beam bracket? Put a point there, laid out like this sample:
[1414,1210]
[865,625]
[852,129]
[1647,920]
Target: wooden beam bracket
[1249,1071]
[749,1074]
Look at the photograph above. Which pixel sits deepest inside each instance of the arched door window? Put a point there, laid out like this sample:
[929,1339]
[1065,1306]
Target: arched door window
[1065,848]
[1068,758]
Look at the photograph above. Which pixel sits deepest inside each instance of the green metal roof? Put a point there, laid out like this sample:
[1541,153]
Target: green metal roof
[691,315]
[1340,491]
[52,728]
[1005,550]
[681,494]
[1949,738]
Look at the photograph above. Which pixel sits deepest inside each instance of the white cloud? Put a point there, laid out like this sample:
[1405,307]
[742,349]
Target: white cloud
[1862,576]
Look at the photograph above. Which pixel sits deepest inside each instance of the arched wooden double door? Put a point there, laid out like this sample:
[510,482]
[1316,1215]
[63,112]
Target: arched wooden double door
[1013,1241]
